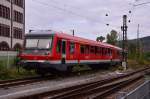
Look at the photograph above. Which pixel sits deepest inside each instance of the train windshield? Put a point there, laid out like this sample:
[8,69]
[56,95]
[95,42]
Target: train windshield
[39,43]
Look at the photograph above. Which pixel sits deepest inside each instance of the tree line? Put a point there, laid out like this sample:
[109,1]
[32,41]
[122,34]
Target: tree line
[111,38]
[133,51]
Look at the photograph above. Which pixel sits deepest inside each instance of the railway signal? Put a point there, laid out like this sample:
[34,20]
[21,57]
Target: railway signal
[124,42]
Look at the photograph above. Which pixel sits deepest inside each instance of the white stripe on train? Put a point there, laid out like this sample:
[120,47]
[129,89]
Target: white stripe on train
[73,61]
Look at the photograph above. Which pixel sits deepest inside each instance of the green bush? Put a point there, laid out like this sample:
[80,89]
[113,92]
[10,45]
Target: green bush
[147,56]
[13,73]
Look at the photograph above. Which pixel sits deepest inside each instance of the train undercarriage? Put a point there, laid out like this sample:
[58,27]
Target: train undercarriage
[43,68]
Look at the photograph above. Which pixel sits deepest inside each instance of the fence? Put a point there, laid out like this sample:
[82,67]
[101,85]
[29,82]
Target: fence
[7,58]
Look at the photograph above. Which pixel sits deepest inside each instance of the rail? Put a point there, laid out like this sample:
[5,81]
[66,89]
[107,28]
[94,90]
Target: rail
[94,89]
[23,81]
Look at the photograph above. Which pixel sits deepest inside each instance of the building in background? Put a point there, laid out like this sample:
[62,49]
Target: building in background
[12,24]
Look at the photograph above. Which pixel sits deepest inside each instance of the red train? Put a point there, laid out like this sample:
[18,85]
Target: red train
[49,51]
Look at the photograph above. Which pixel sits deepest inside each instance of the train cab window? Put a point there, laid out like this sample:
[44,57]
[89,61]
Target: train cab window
[58,48]
[72,48]
[82,49]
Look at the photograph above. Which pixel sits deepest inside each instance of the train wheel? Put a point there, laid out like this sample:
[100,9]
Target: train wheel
[99,66]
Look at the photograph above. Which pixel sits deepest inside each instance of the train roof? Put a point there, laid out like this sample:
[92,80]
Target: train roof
[85,41]
[71,38]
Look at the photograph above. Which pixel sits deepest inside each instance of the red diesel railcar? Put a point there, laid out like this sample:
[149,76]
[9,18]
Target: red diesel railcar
[48,51]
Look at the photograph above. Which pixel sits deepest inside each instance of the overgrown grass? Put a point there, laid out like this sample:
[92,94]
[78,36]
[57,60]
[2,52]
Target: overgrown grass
[138,60]
[7,62]
[81,67]
[12,72]
[134,63]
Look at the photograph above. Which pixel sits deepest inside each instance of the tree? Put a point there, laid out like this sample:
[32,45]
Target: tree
[112,37]
[100,39]
[132,50]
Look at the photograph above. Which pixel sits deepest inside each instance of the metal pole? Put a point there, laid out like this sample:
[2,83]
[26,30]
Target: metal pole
[11,34]
[138,45]
[73,32]
[124,42]
[7,59]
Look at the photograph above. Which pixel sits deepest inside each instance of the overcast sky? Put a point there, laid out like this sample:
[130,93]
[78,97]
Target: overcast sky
[88,17]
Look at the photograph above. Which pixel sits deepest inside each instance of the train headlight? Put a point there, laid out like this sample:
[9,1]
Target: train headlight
[47,53]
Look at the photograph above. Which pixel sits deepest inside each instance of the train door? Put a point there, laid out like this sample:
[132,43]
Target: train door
[71,51]
[63,60]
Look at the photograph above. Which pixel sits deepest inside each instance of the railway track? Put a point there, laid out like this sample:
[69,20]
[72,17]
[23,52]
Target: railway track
[96,89]
[23,81]
[30,80]
[93,90]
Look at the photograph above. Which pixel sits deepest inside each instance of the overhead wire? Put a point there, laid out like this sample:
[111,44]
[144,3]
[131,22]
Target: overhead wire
[141,4]
[80,15]
[65,5]
[134,7]
[68,11]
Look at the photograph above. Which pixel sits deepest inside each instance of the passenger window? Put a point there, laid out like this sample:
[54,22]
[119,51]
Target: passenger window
[92,49]
[118,53]
[96,49]
[58,48]
[87,49]
[110,52]
[103,52]
[100,52]
[106,51]
[63,47]
[72,48]
[82,50]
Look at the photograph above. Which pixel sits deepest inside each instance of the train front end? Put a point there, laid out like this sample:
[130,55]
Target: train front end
[37,52]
